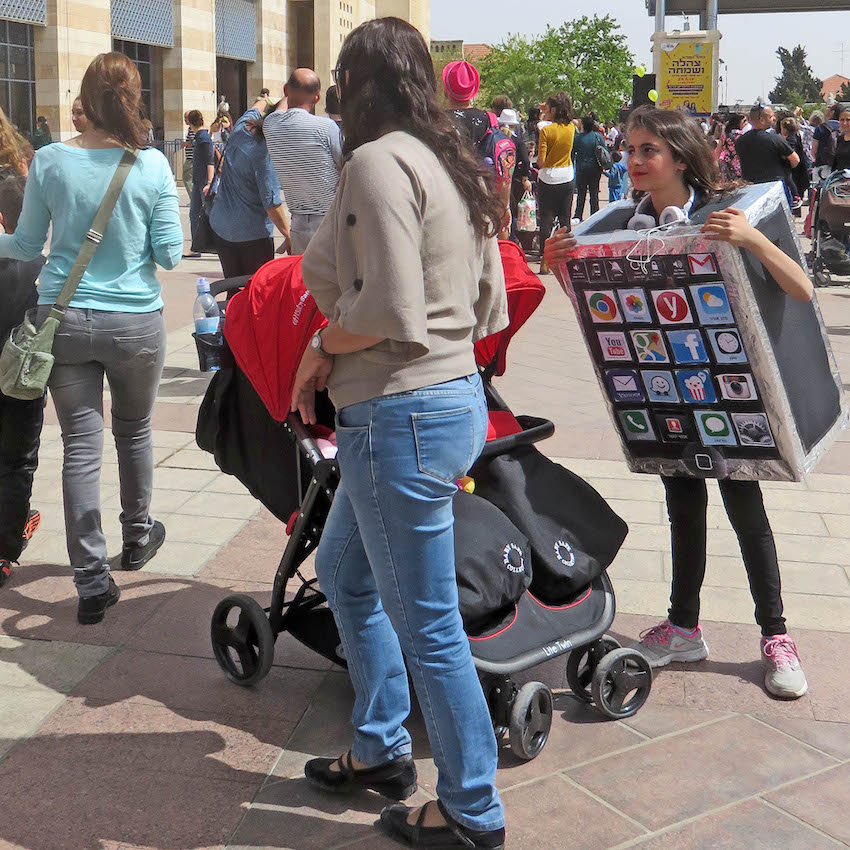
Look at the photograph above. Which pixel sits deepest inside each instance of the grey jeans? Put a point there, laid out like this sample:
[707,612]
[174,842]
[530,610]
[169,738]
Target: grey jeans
[129,349]
[303,229]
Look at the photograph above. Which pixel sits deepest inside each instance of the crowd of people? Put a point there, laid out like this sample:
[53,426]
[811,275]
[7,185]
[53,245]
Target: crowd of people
[396,200]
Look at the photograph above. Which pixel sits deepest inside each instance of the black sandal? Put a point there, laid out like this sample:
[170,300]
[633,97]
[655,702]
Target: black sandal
[452,836]
[395,780]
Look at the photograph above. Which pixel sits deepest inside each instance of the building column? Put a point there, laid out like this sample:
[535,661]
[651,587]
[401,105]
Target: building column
[269,70]
[188,68]
[326,40]
[76,32]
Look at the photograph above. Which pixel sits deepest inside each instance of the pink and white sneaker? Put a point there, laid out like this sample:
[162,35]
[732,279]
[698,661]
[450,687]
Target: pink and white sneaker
[665,643]
[783,672]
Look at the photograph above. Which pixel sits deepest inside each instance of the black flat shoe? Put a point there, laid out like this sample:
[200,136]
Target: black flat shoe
[395,780]
[452,836]
[135,557]
[91,609]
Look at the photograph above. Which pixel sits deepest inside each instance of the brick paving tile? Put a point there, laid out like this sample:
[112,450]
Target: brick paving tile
[301,818]
[831,738]
[40,603]
[753,825]
[181,626]
[207,745]
[52,666]
[656,719]
[579,733]
[820,801]
[553,812]
[22,711]
[698,770]
[186,685]
[286,808]
[53,800]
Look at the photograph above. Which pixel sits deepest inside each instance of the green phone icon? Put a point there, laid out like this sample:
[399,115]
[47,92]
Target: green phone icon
[636,423]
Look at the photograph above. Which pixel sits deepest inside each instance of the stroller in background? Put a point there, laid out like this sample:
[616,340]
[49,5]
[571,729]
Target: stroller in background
[245,422]
[829,229]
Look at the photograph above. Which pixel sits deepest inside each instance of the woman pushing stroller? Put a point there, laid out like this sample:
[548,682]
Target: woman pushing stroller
[407,269]
[671,166]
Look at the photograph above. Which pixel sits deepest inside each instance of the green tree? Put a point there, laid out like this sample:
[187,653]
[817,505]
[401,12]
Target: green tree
[588,57]
[797,84]
[844,94]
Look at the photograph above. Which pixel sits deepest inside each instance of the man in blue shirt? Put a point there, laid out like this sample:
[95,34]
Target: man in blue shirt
[248,204]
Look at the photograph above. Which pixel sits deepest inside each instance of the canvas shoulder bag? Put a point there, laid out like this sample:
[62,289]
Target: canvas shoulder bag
[27,359]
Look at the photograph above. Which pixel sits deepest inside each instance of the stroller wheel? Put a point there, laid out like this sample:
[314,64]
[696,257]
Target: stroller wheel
[621,683]
[821,278]
[530,721]
[582,663]
[242,639]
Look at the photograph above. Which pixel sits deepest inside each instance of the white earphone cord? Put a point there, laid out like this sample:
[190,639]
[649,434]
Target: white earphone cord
[640,259]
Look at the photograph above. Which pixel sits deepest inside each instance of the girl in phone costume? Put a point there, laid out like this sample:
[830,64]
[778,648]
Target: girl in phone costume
[674,173]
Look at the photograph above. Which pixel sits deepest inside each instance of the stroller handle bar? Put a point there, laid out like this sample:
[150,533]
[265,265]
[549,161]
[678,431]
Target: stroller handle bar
[229,284]
[304,437]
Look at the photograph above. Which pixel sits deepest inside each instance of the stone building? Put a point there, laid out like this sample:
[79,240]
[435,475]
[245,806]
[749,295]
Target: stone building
[190,53]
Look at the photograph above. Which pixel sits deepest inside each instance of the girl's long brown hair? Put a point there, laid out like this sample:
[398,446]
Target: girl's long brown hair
[689,145]
[11,154]
[111,95]
[386,80]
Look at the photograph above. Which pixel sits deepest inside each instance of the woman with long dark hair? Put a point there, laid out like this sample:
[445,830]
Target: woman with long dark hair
[114,326]
[406,267]
[725,152]
[554,162]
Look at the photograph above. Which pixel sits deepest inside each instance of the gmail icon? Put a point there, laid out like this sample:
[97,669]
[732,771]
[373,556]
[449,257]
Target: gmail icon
[624,385]
[702,265]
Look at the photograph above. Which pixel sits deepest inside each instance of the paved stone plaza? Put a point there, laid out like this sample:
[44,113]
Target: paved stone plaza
[127,735]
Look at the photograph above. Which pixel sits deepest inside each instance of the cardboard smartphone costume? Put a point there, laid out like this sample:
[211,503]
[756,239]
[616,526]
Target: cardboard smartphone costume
[709,369]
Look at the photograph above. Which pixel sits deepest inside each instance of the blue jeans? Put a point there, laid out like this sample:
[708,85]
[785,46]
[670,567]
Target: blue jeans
[386,564]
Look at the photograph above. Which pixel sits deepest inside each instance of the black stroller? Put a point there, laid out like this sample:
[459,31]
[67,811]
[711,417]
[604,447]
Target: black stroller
[830,226]
[564,603]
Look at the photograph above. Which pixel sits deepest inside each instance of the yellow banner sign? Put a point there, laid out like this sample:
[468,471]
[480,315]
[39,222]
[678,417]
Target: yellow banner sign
[687,76]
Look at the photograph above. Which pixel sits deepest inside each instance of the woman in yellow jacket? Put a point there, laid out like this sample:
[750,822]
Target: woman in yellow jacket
[554,159]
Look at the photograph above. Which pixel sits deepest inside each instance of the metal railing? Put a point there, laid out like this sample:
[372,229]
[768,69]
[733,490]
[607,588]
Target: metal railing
[174,153]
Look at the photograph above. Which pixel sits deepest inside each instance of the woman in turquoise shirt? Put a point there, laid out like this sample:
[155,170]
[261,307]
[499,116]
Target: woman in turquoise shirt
[114,326]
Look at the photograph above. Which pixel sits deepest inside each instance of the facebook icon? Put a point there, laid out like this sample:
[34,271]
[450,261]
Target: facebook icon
[688,346]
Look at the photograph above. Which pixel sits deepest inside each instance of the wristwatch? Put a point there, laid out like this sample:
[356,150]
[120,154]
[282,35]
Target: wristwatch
[316,344]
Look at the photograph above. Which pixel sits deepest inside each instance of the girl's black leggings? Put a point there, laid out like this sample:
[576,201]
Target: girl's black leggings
[687,502]
[556,201]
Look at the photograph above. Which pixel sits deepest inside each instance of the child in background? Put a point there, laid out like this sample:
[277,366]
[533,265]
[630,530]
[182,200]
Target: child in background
[20,421]
[618,178]
[671,161]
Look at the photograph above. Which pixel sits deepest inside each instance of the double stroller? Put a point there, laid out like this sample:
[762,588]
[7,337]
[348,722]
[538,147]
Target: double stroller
[829,228]
[532,542]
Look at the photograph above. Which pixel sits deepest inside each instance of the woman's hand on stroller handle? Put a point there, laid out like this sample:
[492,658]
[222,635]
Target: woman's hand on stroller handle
[312,377]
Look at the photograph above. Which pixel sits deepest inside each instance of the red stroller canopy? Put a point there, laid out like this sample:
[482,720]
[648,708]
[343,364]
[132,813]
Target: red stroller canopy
[525,292]
[270,322]
[268,326]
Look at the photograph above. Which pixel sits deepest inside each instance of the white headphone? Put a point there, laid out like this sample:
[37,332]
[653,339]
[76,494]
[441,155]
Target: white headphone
[671,215]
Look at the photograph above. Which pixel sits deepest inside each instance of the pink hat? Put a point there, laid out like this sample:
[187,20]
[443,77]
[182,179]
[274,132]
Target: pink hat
[461,80]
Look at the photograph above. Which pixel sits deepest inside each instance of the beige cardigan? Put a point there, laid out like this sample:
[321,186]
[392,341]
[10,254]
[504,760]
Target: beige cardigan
[396,257]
